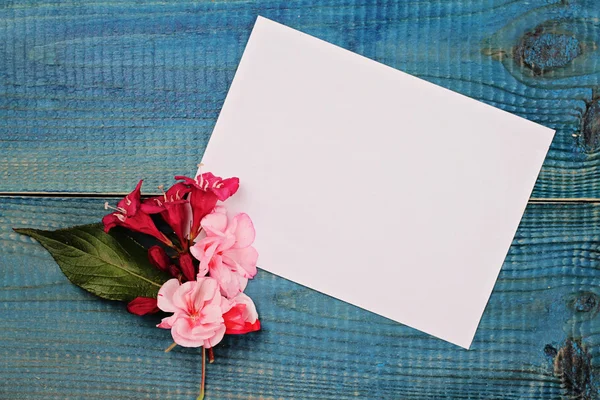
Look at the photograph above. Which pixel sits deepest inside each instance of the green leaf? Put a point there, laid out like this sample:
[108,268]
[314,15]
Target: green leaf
[112,266]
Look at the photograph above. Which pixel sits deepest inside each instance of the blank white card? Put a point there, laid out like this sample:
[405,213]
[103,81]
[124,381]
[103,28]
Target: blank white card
[371,185]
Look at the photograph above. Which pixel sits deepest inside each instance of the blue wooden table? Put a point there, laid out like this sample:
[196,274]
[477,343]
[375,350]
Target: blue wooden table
[95,95]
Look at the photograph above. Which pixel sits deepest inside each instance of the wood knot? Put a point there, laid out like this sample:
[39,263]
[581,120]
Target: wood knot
[542,51]
[590,127]
[550,350]
[548,52]
[585,302]
[573,367]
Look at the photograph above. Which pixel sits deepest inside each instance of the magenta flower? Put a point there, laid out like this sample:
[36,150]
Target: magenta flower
[197,318]
[174,209]
[206,190]
[226,251]
[129,214]
[207,182]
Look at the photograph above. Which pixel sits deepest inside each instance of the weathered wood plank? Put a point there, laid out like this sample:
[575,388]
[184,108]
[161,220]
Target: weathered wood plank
[94,95]
[58,342]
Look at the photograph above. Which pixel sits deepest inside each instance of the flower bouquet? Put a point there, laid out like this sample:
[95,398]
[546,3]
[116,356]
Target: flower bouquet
[181,253]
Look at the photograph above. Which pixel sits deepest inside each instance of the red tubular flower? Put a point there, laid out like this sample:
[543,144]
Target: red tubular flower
[206,189]
[242,316]
[129,214]
[222,188]
[174,209]
[202,203]
[143,306]
[186,263]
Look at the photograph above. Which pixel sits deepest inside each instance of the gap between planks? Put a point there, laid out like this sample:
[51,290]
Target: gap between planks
[532,200]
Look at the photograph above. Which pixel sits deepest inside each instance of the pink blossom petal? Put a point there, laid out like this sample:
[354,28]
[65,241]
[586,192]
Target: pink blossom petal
[204,251]
[205,292]
[226,304]
[227,279]
[167,323]
[182,334]
[202,271]
[244,231]
[211,314]
[201,333]
[242,282]
[231,226]
[183,295]
[218,336]
[250,315]
[227,241]
[201,235]
[243,260]
[215,223]
[242,317]
[199,249]
[165,296]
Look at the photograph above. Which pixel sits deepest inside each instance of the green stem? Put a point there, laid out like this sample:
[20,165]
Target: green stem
[201,395]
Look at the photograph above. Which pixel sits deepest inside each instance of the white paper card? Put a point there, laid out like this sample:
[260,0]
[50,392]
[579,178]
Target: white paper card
[371,185]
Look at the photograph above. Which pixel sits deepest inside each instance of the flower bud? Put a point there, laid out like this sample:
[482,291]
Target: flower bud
[159,258]
[143,306]
[174,271]
[186,264]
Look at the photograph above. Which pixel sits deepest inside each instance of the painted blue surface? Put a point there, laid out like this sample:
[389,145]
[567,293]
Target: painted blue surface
[134,88]
[58,342]
[97,94]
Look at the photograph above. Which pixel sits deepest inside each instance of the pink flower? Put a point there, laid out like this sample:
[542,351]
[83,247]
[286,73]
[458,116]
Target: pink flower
[226,251]
[129,214]
[174,209]
[242,316]
[206,189]
[142,306]
[197,318]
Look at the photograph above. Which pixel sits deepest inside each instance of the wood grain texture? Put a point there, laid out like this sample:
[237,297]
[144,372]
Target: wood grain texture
[96,94]
[539,337]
